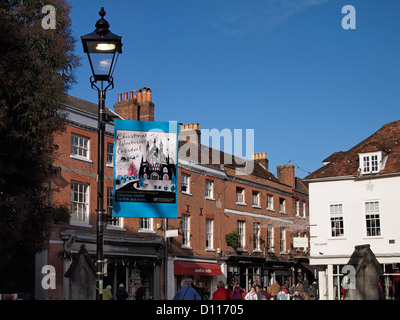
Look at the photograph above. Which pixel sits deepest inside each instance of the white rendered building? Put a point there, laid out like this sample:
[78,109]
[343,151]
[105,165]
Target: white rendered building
[355,200]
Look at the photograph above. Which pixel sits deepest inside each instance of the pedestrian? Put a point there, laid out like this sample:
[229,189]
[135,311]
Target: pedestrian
[251,295]
[266,294]
[140,293]
[282,295]
[311,292]
[299,288]
[237,292]
[186,292]
[297,296]
[121,292]
[258,292]
[222,293]
[274,289]
[107,294]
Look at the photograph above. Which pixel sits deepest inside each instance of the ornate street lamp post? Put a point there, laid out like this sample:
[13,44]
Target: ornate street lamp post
[102,48]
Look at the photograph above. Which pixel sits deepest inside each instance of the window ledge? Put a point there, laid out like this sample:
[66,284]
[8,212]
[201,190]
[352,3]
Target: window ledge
[210,250]
[241,204]
[72,156]
[186,247]
[212,199]
[80,224]
[256,206]
[117,228]
[372,237]
[187,193]
[146,231]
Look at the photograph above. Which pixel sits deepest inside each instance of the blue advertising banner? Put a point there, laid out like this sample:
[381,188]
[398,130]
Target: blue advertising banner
[145,169]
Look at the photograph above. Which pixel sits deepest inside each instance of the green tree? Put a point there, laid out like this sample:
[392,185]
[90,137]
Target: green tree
[36,69]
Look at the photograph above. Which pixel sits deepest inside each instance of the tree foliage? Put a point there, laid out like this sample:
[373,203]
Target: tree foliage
[36,69]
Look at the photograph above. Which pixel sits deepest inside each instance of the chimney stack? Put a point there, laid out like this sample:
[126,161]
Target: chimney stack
[261,158]
[138,106]
[286,174]
[190,132]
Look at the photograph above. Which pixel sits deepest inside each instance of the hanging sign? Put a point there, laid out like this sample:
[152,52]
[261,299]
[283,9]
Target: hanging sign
[145,169]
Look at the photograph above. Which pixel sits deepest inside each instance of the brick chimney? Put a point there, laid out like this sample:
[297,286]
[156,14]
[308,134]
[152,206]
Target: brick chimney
[135,106]
[261,158]
[286,174]
[190,132]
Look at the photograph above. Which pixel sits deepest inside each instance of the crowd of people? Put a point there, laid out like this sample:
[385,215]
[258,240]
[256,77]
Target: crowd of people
[138,292]
[297,291]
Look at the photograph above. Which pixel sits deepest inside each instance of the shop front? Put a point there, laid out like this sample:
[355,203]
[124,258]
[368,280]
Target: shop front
[204,275]
[127,260]
[246,271]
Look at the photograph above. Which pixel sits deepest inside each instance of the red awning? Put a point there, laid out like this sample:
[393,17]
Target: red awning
[197,268]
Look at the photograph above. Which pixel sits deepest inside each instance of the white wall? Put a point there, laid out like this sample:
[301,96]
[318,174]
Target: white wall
[352,194]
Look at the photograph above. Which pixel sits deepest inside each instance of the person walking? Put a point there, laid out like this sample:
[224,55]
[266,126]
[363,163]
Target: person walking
[222,293]
[107,294]
[311,292]
[251,295]
[140,291]
[186,292]
[282,295]
[121,293]
[237,292]
[274,289]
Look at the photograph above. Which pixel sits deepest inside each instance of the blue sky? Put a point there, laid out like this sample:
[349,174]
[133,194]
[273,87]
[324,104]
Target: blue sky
[285,68]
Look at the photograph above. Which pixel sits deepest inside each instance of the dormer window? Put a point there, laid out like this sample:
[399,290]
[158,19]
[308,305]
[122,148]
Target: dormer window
[372,162]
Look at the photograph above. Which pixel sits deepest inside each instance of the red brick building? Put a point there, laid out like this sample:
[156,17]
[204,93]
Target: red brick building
[214,199]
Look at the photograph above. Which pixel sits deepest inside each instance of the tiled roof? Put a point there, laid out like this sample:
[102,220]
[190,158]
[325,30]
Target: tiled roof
[346,163]
[83,105]
[258,170]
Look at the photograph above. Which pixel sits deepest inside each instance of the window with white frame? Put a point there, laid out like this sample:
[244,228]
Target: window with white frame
[116,221]
[372,162]
[240,195]
[336,217]
[297,208]
[270,238]
[185,230]
[270,202]
[110,154]
[145,224]
[282,205]
[185,183]
[241,231]
[256,236]
[283,240]
[303,208]
[256,199]
[79,146]
[372,218]
[209,189]
[79,202]
[209,234]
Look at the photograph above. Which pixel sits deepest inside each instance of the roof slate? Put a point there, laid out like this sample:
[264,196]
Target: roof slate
[346,163]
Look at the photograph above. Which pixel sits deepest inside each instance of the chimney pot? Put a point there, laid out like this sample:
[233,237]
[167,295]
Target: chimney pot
[148,94]
[144,94]
[119,97]
[125,96]
[130,95]
[139,95]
